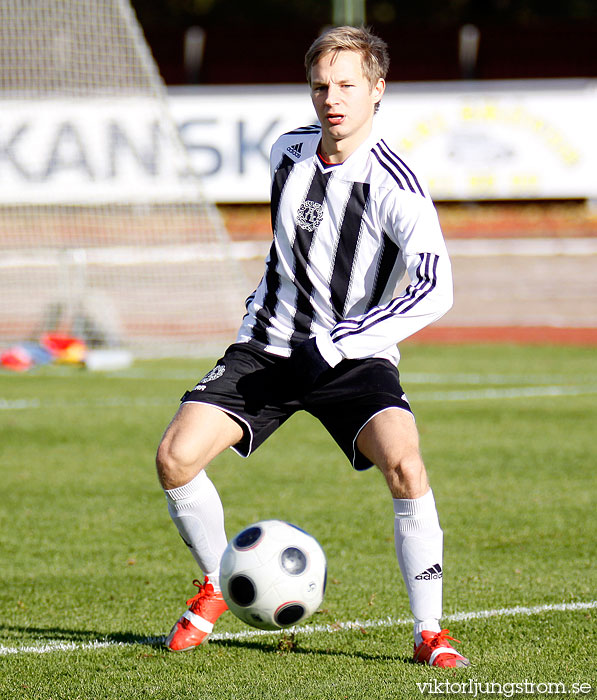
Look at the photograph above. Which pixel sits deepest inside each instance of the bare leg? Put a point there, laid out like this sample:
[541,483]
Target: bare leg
[390,440]
[196,435]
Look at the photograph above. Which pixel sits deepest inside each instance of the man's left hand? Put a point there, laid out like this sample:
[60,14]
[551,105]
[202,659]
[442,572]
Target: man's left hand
[307,364]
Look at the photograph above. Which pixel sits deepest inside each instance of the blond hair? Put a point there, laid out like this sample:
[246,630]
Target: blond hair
[375,59]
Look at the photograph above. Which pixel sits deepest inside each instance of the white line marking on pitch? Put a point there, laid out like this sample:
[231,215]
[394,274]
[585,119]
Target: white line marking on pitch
[470,395]
[459,248]
[518,610]
[257,250]
[520,392]
[144,374]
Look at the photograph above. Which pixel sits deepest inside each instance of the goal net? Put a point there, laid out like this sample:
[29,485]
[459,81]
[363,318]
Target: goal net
[104,231]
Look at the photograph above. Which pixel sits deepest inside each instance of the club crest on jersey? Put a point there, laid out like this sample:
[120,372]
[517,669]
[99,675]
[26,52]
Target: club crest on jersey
[309,215]
[214,373]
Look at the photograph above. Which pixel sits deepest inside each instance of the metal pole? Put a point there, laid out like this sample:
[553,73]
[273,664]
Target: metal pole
[351,12]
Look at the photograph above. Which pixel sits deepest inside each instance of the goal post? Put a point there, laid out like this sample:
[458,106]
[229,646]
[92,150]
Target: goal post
[105,232]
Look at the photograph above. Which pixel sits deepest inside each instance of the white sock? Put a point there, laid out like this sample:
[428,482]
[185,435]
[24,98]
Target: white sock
[419,548]
[197,512]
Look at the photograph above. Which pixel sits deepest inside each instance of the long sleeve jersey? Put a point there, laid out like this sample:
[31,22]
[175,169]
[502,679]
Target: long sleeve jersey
[344,235]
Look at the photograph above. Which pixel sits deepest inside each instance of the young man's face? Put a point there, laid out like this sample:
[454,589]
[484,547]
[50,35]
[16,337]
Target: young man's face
[344,102]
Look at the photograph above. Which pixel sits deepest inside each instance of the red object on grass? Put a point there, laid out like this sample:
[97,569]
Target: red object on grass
[16,359]
[64,347]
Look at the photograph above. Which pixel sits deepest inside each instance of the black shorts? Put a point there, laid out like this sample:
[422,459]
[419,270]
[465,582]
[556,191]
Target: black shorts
[251,386]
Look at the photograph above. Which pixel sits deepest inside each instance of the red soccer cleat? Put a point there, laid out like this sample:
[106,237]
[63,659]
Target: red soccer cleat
[195,625]
[436,650]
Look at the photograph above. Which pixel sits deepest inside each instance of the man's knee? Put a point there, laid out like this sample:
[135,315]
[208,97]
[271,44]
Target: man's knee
[406,475]
[175,464]
[197,434]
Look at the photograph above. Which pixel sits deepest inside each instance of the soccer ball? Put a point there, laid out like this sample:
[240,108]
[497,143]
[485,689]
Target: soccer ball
[273,575]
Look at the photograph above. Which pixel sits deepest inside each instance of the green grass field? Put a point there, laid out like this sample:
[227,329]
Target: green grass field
[93,573]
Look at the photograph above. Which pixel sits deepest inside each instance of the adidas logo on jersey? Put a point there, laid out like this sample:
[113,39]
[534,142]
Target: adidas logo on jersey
[295,150]
[431,573]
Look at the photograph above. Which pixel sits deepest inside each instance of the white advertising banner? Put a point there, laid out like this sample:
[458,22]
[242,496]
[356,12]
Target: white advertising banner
[524,140]
[228,133]
[89,151]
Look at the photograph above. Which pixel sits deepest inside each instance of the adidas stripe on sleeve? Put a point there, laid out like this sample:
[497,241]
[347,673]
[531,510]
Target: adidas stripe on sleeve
[344,237]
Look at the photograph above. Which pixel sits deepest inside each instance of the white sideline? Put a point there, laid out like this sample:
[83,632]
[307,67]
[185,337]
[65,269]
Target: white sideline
[258,249]
[534,247]
[518,610]
[431,396]
[468,247]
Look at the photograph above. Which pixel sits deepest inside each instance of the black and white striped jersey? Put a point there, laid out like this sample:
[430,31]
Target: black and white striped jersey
[344,236]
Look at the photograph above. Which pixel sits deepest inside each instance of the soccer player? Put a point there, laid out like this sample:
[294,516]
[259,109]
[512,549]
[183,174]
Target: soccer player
[350,219]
